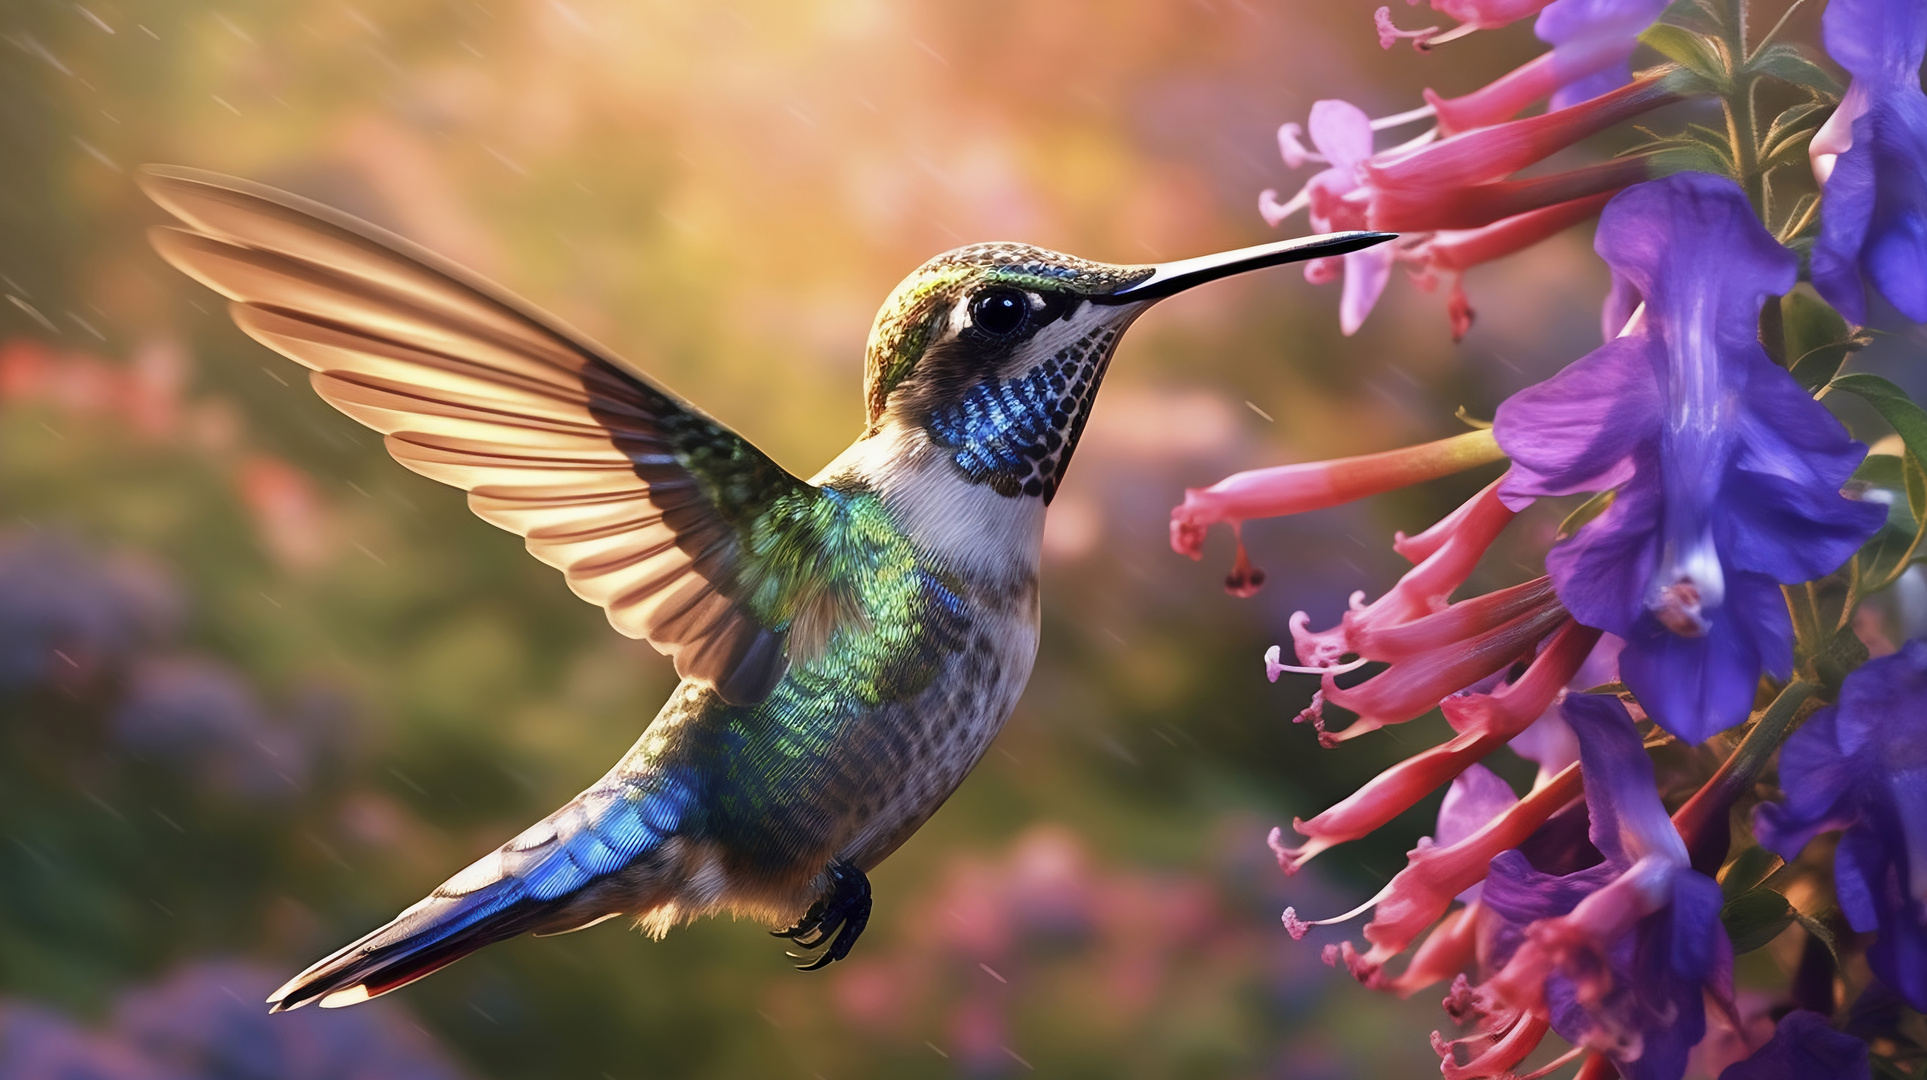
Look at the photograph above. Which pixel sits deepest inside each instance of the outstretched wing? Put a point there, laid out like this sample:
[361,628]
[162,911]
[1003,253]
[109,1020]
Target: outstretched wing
[642,501]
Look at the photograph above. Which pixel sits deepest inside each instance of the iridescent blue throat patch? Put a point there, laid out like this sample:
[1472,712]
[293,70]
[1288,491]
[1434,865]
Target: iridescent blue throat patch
[1017,434]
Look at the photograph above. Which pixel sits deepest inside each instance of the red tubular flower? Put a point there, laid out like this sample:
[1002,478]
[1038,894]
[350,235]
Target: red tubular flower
[1484,723]
[1420,894]
[1439,655]
[1472,15]
[1291,489]
[1497,101]
[1445,555]
[1456,251]
[1425,207]
[1451,947]
[1500,1040]
[1496,152]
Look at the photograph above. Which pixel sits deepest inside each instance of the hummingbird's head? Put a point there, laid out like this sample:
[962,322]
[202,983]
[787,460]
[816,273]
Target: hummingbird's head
[996,350]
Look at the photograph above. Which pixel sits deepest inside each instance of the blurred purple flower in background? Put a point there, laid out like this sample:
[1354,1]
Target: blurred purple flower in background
[70,617]
[1804,1047]
[66,615]
[203,1022]
[1725,475]
[201,714]
[1861,766]
[1871,158]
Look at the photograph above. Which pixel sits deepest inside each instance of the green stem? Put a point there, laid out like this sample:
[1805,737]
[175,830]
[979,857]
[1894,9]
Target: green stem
[1806,623]
[1742,126]
[1702,821]
[1906,558]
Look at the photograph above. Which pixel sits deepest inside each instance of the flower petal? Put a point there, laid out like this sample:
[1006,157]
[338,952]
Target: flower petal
[1576,431]
[1697,686]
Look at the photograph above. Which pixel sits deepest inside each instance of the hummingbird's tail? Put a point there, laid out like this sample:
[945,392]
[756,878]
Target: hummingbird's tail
[563,873]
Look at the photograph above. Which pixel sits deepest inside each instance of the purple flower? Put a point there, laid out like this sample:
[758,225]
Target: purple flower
[67,614]
[1618,956]
[1726,475]
[201,715]
[1592,40]
[203,1020]
[1861,766]
[1804,1047]
[1476,797]
[1871,159]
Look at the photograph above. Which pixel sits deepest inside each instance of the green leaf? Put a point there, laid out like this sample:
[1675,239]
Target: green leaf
[1697,149]
[1756,917]
[1786,138]
[1748,870]
[1786,62]
[1881,470]
[1692,51]
[1818,340]
[1821,927]
[1908,420]
[1799,222]
[1880,557]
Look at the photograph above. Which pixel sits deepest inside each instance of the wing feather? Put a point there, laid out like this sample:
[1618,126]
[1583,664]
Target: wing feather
[608,477]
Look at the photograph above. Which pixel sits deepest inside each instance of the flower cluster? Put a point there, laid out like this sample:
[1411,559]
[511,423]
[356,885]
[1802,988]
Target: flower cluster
[1715,588]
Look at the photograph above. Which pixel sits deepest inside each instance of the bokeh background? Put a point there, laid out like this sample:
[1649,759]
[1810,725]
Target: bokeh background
[260,687]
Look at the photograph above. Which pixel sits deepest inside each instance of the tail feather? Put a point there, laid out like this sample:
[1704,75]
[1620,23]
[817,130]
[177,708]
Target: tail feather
[422,940]
[547,880]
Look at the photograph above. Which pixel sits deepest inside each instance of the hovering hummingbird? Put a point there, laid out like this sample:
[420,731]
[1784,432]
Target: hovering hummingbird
[848,645]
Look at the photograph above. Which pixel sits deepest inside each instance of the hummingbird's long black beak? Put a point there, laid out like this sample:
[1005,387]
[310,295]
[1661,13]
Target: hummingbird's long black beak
[1175,277]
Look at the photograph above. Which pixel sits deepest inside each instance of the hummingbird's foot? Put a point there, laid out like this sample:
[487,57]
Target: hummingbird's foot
[837,918]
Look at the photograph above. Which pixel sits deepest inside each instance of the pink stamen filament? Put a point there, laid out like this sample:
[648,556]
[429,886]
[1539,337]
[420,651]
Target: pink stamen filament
[1409,116]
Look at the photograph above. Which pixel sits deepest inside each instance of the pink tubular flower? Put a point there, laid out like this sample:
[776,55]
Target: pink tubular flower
[1471,15]
[1422,207]
[1618,956]
[1497,101]
[1456,251]
[1443,557]
[1342,134]
[1484,722]
[1440,655]
[1491,153]
[1435,874]
[1458,183]
[1292,489]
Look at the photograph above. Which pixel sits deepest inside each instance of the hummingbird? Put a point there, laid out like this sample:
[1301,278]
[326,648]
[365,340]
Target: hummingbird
[848,645]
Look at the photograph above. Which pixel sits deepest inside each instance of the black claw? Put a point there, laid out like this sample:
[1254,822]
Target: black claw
[836,919]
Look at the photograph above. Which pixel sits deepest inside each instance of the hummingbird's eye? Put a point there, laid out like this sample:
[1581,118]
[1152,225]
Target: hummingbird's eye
[999,312]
